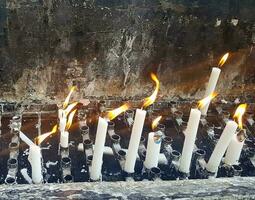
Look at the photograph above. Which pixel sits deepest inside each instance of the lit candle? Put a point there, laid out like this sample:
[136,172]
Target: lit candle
[234,150]
[153,150]
[134,140]
[211,86]
[190,137]
[236,145]
[35,159]
[137,129]
[221,146]
[97,161]
[64,134]
[213,82]
[64,139]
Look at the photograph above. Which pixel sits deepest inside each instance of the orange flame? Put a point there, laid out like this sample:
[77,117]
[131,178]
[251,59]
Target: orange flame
[114,113]
[239,114]
[155,122]
[69,108]
[66,102]
[206,100]
[223,60]
[42,137]
[150,100]
[70,119]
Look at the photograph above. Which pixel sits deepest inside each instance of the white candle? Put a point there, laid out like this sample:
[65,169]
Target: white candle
[211,86]
[221,146]
[62,124]
[189,142]
[35,159]
[134,140]
[97,161]
[64,139]
[152,152]
[234,151]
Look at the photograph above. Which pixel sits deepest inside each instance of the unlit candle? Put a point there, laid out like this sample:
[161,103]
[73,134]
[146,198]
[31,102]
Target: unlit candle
[97,161]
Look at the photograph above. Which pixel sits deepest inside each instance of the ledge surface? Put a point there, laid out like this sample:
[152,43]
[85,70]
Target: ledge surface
[222,188]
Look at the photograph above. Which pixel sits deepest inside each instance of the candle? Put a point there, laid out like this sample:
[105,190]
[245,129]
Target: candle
[153,150]
[97,161]
[221,146]
[190,137]
[64,139]
[35,159]
[211,86]
[134,140]
[234,151]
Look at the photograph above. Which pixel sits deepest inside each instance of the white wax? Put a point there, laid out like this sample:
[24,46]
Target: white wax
[233,151]
[35,159]
[221,146]
[134,140]
[25,139]
[211,86]
[62,124]
[64,139]
[152,152]
[97,161]
[189,142]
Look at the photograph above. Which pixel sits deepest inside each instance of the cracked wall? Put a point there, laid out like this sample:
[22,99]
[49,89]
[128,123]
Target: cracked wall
[108,48]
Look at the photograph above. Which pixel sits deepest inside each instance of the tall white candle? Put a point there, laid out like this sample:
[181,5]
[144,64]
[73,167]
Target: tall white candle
[211,86]
[189,142]
[233,151]
[134,140]
[35,159]
[97,161]
[62,124]
[64,139]
[152,152]
[220,148]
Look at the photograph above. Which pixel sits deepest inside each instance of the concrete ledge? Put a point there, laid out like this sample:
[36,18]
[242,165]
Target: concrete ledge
[222,188]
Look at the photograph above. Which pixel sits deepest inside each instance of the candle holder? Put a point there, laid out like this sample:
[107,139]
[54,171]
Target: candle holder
[142,149]
[66,169]
[199,171]
[173,162]
[121,156]
[16,123]
[88,150]
[178,117]
[12,165]
[129,117]
[111,126]
[154,174]
[167,147]
[115,143]
[14,149]
[230,170]
[84,130]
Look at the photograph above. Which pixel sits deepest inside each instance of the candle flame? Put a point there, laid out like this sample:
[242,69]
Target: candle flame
[223,60]
[150,100]
[155,122]
[66,102]
[42,137]
[69,108]
[70,119]
[114,113]
[239,114]
[202,103]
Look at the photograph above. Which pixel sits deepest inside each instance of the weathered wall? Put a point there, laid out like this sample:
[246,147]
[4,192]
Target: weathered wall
[109,47]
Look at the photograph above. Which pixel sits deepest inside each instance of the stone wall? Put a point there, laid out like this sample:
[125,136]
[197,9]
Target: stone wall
[109,48]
